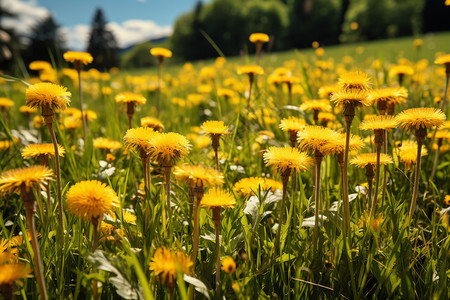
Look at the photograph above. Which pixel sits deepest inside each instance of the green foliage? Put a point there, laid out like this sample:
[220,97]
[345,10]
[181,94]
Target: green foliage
[382,18]
[229,24]
[313,21]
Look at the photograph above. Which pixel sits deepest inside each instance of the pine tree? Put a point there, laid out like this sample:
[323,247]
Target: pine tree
[46,42]
[102,43]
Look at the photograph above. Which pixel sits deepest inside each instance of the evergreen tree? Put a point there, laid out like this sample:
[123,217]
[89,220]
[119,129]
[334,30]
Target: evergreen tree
[6,42]
[102,43]
[46,42]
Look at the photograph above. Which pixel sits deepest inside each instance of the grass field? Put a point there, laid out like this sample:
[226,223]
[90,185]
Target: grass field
[240,213]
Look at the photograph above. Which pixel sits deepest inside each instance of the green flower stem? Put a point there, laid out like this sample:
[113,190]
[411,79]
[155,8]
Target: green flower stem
[318,161]
[30,206]
[251,79]
[420,135]
[95,224]
[436,159]
[383,192]
[167,171]
[198,191]
[284,178]
[58,183]
[130,113]
[80,90]
[369,176]
[258,51]
[215,141]
[216,219]
[345,199]
[377,180]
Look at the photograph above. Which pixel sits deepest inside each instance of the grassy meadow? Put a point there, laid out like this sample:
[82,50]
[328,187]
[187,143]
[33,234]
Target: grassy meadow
[263,232]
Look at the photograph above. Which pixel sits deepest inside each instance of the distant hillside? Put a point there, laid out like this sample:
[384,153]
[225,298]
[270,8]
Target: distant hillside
[138,56]
[152,41]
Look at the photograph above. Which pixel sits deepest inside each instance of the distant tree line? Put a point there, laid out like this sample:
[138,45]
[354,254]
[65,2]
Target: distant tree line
[228,24]
[297,23]
[46,42]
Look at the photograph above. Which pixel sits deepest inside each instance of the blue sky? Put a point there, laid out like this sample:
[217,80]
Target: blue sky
[131,21]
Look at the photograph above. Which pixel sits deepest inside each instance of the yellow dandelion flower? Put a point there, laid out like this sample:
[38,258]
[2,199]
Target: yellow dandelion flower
[337,146]
[198,176]
[390,94]
[247,187]
[400,70]
[40,65]
[204,89]
[228,265]
[91,199]
[215,127]
[416,118]
[107,229]
[200,141]
[127,97]
[441,134]
[289,79]
[5,102]
[316,137]
[5,145]
[78,57]
[352,97]
[443,60]
[12,272]
[259,38]
[71,123]
[161,52]
[39,150]
[327,90]
[316,105]
[167,147]
[129,217]
[217,198]
[88,114]
[225,92]
[138,137]
[292,124]
[284,158]
[46,94]
[408,153]
[364,159]
[326,117]
[13,181]
[8,251]
[107,144]
[165,263]
[447,200]
[417,43]
[72,112]
[251,70]
[154,123]
[379,123]
[27,110]
[38,121]
[355,80]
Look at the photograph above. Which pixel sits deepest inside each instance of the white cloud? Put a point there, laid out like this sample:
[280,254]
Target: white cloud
[28,13]
[127,33]
[76,37]
[135,31]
